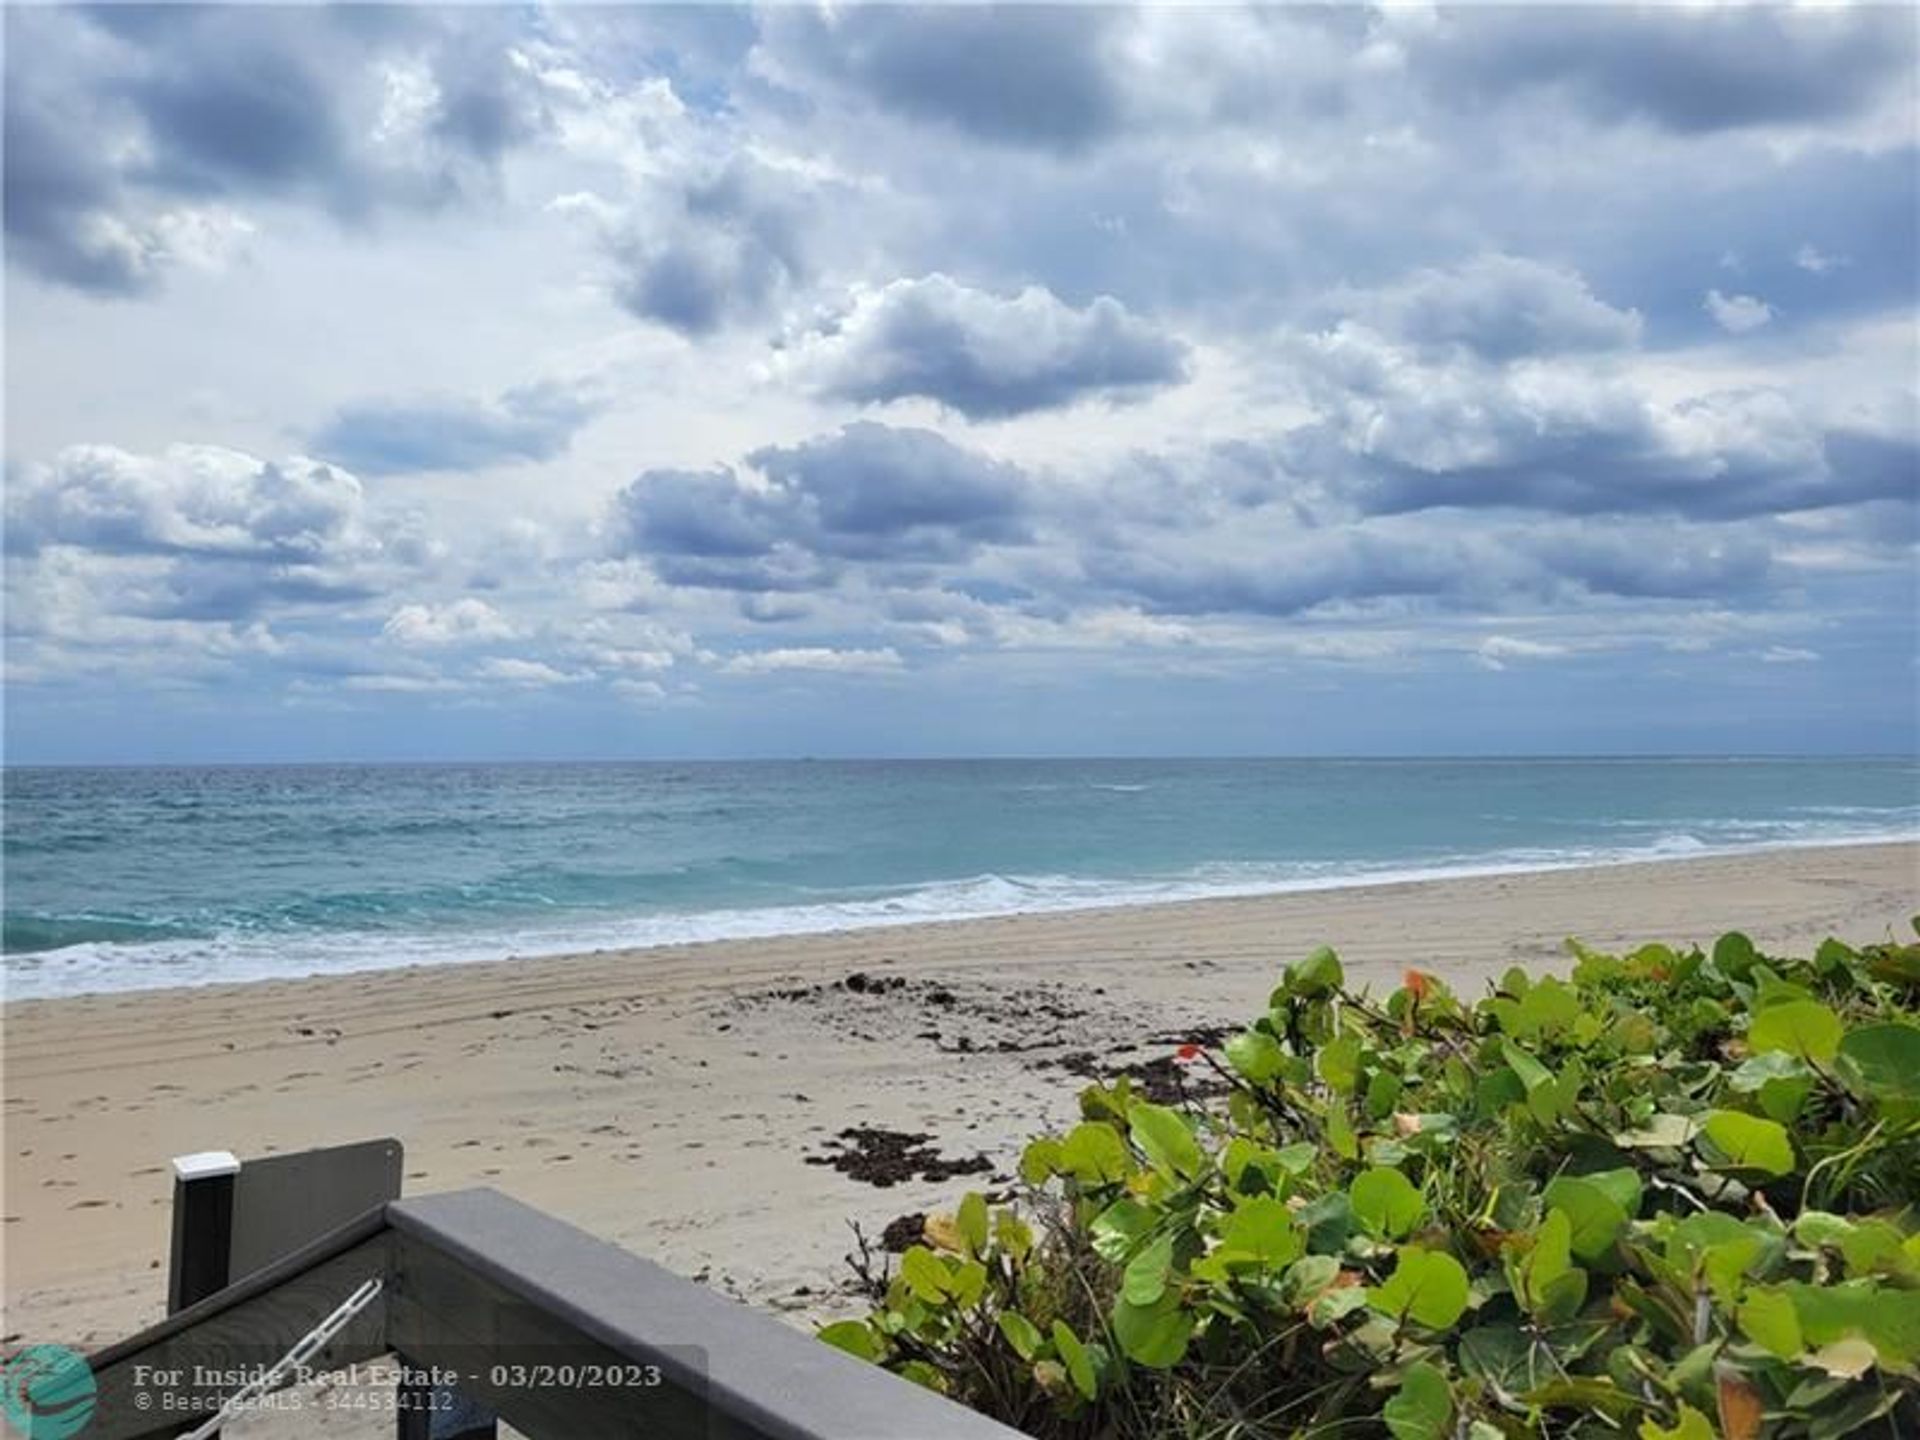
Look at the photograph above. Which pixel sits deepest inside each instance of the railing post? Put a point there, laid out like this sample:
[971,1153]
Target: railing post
[202,1226]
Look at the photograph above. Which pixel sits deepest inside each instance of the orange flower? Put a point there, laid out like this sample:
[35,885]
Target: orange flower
[1417,982]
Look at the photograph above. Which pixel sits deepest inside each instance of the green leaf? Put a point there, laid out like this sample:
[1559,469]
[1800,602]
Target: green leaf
[1079,1364]
[1746,1142]
[1163,1137]
[1153,1335]
[1386,1203]
[1660,1132]
[1596,1218]
[1693,1425]
[1805,1029]
[1552,1286]
[1882,1062]
[1093,1153]
[1317,975]
[1502,1354]
[969,1283]
[1145,1278]
[1263,1228]
[1428,1287]
[855,1337]
[1040,1160]
[972,1222]
[1256,1055]
[1021,1333]
[1422,1408]
[1770,1321]
[1338,1063]
[1733,955]
[1116,1230]
[1781,1081]
[926,1275]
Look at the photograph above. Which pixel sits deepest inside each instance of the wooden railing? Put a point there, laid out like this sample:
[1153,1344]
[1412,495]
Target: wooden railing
[561,1335]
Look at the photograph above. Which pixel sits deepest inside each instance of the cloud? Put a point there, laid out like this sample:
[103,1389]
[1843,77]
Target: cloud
[1502,307]
[190,500]
[1816,262]
[1788,655]
[1495,651]
[987,356]
[814,658]
[1688,70]
[715,249]
[1013,75]
[532,423]
[868,492]
[1737,314]
[1404,432]
[533,674]
[201,533]
[133,132]
[458,622]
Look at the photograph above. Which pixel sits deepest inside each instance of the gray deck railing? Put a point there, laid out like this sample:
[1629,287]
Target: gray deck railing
[560,1334]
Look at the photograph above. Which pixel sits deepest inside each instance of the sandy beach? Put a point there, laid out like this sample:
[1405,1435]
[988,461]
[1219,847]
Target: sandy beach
[683,1102]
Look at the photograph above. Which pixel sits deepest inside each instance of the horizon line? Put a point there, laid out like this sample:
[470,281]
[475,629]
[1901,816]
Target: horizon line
[963,759]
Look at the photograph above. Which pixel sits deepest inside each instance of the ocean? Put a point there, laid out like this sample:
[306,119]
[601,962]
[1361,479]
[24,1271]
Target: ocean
[129,878]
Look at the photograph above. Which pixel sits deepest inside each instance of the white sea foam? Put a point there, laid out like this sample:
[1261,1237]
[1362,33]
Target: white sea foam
[105,967]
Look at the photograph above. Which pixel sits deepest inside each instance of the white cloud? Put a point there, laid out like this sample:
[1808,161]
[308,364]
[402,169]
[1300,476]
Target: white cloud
[1495,651]
[1787,655]
[1815,262]
[532,673]
[880,661]
[1737,314]
[460,622]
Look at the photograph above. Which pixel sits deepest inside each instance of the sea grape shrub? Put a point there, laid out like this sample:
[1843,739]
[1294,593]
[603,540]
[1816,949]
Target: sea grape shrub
[1671,1195]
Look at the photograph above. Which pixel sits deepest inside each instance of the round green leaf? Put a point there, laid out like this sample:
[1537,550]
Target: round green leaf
[1422,1408]
[1428,1287]
[1386,1203]
[1263,1228]
[1803,1028]
[1746,1142]
[855,1337]
[1163,1137]
[1256,1055]
[1882,1061]
[1093,1153]
[1595,1217]
[1153,1335]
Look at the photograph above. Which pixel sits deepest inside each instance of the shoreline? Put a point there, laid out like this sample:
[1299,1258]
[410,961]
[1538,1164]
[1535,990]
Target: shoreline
[1343,882]
[685,1101]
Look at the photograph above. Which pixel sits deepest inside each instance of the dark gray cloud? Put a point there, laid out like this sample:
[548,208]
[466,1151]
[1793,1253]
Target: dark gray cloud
[877,491]
[123,120]
[1645,562]
[535,422]
[1022,75]
[868,493]
[986,355]
[1501,307]
[1687,69]
[723,248]
[1289,576]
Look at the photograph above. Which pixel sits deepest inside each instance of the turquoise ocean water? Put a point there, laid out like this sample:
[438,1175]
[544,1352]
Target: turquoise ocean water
[126,878]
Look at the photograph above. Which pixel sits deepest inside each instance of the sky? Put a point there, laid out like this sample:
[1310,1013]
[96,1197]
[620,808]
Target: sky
[602,382]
